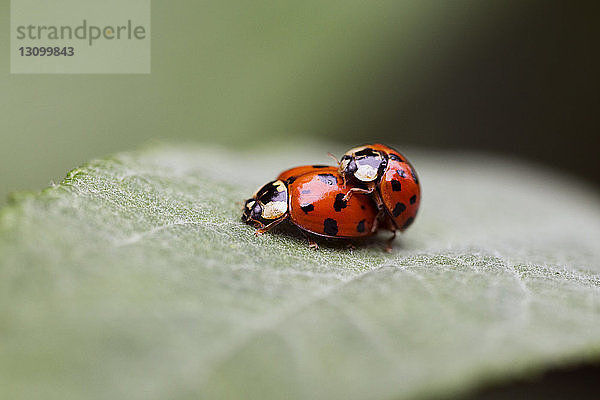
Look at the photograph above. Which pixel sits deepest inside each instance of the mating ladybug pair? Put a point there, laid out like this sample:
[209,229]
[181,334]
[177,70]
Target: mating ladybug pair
[373,187]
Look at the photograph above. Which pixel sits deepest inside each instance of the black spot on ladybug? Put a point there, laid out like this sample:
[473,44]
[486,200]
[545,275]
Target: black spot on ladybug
[407,223]
[414,175]
[328,179]
[396,186]
[362,207]
[365,152]
[401,173]
[339,202]
[413,199]
[307,208]
[361,226]
[320,166]
[395,157]
[305,191]
[398,209]
[330,226]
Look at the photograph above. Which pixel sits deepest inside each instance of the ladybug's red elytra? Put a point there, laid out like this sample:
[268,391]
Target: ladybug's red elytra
[384,173]
[314,199]
[303,169]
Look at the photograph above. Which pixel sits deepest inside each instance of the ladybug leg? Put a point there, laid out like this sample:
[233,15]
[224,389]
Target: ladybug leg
[357,190]
[266,228]
[386,222]
[378,200]
[380,216]
[388,244]
[311,243]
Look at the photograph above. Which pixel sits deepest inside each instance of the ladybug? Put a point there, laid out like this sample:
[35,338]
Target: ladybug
[313,199]
[387,175]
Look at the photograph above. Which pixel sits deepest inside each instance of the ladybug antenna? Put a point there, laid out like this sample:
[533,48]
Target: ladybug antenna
[339,166]
[334,158]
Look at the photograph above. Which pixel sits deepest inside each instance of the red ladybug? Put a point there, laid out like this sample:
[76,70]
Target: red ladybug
[313,199]
[387,175]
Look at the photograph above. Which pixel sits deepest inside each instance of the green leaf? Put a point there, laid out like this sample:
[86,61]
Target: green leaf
[134,278]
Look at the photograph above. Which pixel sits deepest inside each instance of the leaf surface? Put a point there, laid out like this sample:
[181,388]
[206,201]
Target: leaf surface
[134,278]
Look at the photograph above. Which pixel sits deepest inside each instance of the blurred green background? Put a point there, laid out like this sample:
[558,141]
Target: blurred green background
[515,77]
[518,78]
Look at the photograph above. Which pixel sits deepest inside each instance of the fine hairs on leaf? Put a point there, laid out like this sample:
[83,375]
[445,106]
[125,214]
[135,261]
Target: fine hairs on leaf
[135,278]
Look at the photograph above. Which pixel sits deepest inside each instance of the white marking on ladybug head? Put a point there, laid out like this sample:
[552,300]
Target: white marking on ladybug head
[250,205]
[279,185]
[365,172]
[274,209]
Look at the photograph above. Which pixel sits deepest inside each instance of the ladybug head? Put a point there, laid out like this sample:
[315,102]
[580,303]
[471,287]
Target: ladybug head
[363,163]
[267,205]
